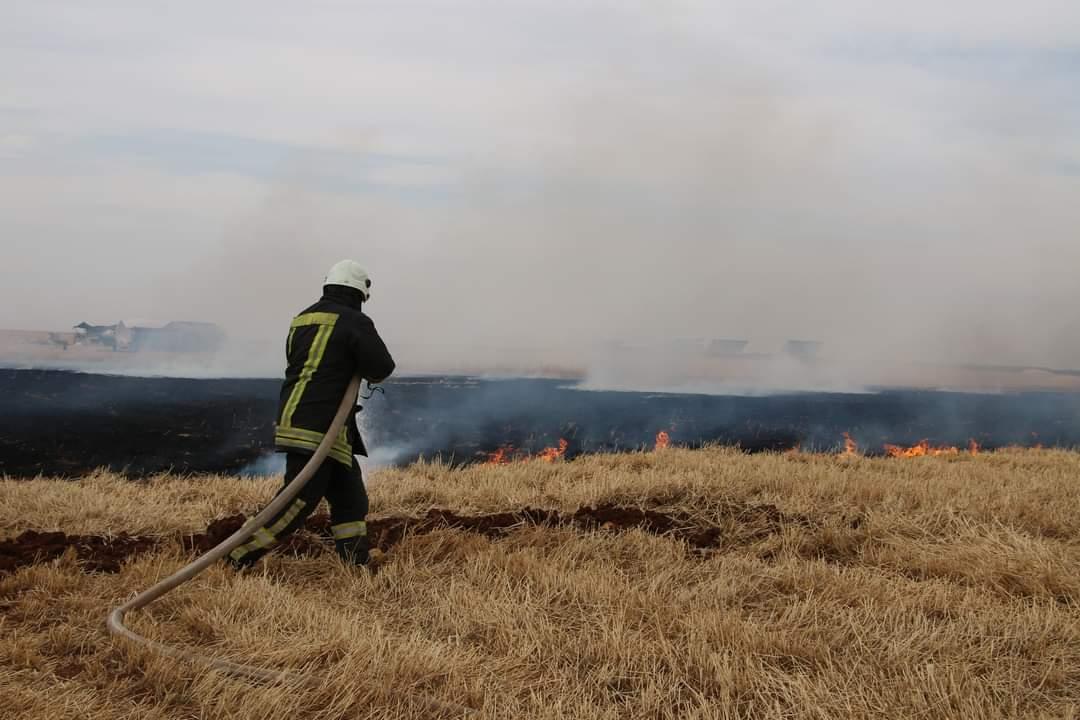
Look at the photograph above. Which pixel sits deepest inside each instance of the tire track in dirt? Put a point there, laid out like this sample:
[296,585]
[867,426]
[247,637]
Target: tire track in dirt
[742,524]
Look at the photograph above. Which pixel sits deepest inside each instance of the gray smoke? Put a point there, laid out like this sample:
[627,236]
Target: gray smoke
[531,185]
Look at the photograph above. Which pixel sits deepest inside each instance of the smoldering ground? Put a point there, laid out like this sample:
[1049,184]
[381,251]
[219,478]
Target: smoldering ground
[67,424]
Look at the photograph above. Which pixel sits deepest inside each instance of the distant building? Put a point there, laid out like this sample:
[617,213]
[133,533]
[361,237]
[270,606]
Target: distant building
[803,349]
[724,346]
[86,331]
[179,337]
[687,346]
[114,337]
[175,337]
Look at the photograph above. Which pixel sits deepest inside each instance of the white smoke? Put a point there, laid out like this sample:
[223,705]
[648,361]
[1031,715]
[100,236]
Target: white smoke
[529,185]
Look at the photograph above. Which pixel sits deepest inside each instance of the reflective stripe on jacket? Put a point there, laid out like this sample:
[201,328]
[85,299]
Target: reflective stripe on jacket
[328,344]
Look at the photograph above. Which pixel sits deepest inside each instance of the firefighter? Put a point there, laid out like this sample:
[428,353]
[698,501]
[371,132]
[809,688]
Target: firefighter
[328,344]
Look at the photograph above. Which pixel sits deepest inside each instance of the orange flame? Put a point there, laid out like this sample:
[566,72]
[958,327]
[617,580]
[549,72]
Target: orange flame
[500,456]
[507,454]
[663,440]
[552,454]
[924,449]
[851,448]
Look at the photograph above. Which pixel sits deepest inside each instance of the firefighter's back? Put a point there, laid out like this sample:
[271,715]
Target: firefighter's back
[328,343]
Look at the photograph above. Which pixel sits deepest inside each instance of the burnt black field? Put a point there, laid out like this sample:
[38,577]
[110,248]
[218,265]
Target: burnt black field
[68,424]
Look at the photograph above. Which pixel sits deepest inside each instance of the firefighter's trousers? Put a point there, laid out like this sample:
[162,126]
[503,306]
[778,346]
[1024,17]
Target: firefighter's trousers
[343,488]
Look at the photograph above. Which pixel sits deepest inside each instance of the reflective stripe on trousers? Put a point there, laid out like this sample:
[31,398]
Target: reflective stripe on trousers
[266,537]
[348,530]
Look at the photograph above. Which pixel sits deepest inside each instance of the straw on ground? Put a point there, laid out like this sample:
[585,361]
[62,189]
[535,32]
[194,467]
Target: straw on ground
[933,587]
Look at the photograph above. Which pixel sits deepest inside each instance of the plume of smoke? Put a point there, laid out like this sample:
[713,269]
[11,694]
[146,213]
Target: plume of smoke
[700,189]
[716,206]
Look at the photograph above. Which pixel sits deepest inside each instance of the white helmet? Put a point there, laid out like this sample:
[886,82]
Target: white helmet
[350,274]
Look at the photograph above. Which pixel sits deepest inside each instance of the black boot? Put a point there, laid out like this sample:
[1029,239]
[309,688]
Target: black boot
[353,551]
[244,564]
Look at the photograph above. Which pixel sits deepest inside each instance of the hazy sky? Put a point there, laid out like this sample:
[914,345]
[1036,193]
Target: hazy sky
[893,176]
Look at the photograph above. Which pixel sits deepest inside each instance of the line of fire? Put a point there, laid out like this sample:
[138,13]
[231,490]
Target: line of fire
[62,423]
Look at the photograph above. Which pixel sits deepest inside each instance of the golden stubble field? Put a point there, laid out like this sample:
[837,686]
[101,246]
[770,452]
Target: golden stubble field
[826,587]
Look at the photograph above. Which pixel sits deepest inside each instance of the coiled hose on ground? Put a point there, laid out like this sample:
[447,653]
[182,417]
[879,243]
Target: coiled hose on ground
[115,621]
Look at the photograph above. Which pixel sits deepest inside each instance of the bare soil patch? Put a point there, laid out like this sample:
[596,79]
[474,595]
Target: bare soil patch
[95,552]
[99,553]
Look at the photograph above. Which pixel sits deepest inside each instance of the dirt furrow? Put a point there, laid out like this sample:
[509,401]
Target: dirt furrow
[106,553]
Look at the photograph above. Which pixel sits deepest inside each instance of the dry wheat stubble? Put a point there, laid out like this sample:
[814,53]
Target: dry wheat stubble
[943,587]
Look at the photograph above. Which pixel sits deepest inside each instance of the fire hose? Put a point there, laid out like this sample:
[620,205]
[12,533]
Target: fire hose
[115,621]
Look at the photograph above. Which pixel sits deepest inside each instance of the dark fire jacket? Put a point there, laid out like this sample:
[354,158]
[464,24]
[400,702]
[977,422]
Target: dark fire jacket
[328,344]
